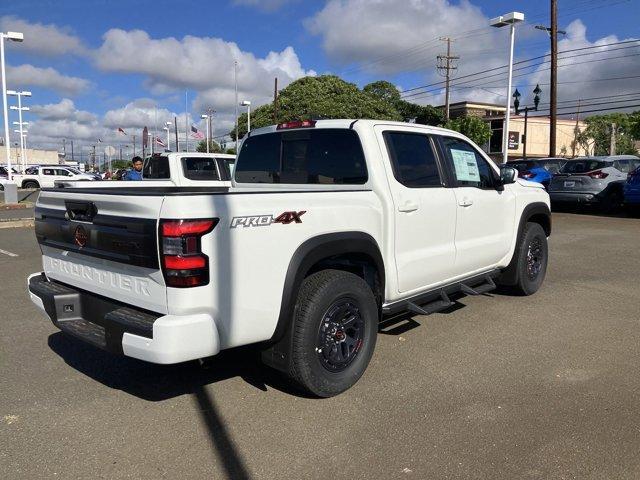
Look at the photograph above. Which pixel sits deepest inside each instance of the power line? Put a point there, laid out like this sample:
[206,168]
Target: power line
[593,80]
[521,62]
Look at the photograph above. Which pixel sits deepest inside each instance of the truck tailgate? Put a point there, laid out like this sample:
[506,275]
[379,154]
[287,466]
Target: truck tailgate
[103,243]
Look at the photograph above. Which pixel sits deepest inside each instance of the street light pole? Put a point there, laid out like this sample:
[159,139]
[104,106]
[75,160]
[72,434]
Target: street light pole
[247,103]
[503,20]
[11,193]
[206,126]
[235,71]
[167,127]
[20,123]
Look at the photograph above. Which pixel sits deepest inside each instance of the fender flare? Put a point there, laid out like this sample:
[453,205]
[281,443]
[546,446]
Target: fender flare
[509,274]
[306,256]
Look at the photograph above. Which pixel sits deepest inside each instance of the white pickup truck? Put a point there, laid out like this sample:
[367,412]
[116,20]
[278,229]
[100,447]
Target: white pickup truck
[45,176]
[190,168]
[330,226]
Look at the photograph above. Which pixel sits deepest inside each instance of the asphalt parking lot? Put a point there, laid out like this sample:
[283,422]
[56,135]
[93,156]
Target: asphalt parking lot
[499,387]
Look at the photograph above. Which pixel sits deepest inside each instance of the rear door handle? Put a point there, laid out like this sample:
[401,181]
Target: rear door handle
[408,207]
[465,202]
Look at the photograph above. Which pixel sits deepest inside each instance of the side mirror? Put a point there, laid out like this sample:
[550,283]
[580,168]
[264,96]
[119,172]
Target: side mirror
[508,175]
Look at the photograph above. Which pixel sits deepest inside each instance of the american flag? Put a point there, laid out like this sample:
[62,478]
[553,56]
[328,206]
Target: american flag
[195,133]
[160,142]
[120,130]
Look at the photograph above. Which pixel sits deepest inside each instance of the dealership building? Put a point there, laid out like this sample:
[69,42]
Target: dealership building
[538,131]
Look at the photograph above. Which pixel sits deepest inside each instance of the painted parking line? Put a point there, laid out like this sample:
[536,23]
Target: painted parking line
[8,253]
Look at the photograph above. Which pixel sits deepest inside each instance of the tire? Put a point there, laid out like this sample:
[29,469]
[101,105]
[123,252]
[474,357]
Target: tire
[30,184]
[612,202]
[531,270]
[326,359]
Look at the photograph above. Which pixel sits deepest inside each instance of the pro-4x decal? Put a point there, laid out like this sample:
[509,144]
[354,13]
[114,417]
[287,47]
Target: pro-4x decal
[263,220]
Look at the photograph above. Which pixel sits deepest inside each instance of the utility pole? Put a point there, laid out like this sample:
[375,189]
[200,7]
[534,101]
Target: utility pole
[612,149]
[275,101]
[576,131]
[445,67]
[553,112]
[93,158]
[553,87]
[133,137]
[72,157]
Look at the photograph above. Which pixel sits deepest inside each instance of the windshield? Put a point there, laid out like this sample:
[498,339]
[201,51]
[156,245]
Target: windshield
[523,166]
[583,165]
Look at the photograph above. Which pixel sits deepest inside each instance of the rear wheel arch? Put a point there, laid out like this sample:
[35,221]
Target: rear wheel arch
[354,252]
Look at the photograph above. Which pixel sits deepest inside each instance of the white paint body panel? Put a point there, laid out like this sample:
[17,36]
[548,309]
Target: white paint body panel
[434,245]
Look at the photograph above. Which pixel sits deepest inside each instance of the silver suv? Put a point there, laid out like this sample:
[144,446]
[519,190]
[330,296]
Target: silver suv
[593,180]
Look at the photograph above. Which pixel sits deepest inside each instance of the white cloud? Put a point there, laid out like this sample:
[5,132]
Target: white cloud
[264,5]
[47,40]
[63,110]
[584,69]
[197,63]
[403,33]
[29,75]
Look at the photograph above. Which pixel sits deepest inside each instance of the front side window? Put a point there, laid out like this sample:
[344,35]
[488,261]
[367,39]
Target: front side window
[412,159]
[200,168]
[469,168]
[63,173]
[322,156]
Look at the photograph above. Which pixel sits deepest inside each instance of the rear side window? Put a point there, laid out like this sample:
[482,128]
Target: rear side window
[627,165]
[200,168]
[582,166]
[469,167]
[48,171]
[156,168]
[322,156]
[413,160]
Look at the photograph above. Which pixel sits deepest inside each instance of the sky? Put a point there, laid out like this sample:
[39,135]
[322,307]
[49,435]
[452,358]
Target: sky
[94,66]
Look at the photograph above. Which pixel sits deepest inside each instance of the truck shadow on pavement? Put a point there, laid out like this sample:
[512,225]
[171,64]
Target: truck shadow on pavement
[161,382]
[156,383]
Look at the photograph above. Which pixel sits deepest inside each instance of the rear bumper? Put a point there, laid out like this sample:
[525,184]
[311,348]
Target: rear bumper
[579,197]
[123,329]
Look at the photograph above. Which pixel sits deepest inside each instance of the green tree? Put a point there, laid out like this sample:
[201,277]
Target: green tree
[475,128]
[598,133]
[423,114]
[213,147]
[326,96]
[384,90]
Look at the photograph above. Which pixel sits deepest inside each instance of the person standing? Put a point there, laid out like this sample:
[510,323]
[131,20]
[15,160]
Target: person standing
[136,172]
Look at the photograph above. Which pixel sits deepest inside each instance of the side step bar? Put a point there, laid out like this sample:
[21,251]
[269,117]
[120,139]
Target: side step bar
[438,299]
[434,306]
[485,287]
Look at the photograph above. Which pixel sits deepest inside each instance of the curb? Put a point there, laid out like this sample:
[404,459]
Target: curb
[15,206]
[17,223]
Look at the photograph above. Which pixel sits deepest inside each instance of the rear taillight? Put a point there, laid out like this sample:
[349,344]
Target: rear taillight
[598,174]
[183,263]
[527,174]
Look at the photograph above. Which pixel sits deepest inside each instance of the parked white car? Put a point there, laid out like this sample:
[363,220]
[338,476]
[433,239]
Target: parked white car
[45,176]
[329,226]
